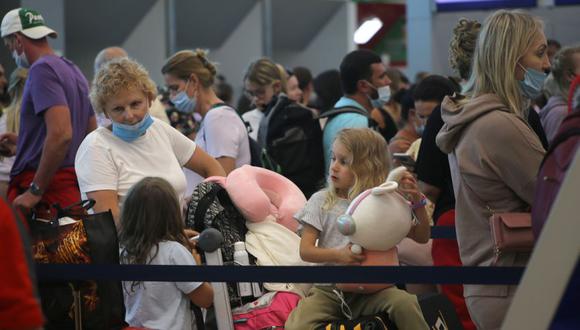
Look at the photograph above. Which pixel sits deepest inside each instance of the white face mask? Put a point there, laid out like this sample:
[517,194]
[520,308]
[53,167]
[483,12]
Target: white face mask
[20,59]
[384,93]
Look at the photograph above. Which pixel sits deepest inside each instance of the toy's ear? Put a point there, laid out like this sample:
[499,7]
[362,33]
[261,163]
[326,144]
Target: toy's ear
[396,174]
[386,187]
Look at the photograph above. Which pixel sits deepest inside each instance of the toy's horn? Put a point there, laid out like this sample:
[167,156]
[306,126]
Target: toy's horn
[386,187]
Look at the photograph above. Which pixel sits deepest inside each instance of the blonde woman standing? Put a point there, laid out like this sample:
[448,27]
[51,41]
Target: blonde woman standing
[10,121]
[190,76]
[494,155]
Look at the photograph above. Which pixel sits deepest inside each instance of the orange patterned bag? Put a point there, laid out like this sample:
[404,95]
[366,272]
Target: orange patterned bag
[73,236]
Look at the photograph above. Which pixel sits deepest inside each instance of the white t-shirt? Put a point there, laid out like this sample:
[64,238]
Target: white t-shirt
[105,162]
[162,305]
[5,162]
[253,117]
[223,134]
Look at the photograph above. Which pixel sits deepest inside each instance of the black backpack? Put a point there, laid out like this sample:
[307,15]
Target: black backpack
[255,150]
[388,132]
[293,144]
[211,207]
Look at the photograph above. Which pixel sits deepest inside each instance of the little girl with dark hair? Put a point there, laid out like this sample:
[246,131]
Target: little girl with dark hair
[152,232]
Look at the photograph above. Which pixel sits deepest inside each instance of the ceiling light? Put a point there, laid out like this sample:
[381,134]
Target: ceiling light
[367,30]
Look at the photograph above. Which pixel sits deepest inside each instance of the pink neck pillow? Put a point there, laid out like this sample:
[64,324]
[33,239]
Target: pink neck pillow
[259,193]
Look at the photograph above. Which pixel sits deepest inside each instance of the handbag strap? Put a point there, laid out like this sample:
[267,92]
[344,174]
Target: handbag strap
[73,209]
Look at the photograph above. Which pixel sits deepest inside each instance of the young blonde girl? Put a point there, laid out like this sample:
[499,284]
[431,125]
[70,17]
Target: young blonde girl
[152,232]
[359,161]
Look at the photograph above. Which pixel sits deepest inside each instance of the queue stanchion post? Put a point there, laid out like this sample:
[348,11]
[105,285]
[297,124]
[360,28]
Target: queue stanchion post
[210,241]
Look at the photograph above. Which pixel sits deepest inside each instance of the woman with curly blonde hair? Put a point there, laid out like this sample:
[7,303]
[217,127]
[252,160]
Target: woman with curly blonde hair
[135,145]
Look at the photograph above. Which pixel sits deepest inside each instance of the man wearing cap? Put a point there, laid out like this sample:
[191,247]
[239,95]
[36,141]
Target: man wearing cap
[55,117]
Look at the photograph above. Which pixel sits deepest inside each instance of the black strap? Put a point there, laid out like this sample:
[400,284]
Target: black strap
[203,205]
[75,209]
[341,110]
[247,124]
[198,317]
[220,104]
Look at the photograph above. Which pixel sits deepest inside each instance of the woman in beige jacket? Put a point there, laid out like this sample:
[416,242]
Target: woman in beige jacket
[494,155]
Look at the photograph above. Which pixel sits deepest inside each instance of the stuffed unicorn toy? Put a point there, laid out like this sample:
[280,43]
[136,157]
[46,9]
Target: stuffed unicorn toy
[375,222]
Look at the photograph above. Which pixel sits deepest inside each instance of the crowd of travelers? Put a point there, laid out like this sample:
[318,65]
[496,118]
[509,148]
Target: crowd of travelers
[471,145]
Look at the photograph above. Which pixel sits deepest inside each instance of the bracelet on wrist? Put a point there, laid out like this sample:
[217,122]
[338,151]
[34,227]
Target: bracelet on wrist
[419,204]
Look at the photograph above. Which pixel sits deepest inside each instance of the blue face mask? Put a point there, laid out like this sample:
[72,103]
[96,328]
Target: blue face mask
[130,133]
[533,82]
[183,103]
[420,129]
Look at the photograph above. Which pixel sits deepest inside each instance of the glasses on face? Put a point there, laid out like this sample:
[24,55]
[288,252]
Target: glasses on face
[250,94]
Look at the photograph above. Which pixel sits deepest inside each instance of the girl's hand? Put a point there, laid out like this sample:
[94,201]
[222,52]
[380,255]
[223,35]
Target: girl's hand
[344,256]
[409,189]
[196,256]
[190,233]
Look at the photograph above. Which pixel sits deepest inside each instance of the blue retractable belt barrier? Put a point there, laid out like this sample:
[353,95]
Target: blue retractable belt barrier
[282,274]
[443,232]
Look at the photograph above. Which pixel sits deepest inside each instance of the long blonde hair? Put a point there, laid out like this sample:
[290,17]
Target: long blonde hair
[186,62]
[265,72]
[16,90]
[503,41]
[370,161]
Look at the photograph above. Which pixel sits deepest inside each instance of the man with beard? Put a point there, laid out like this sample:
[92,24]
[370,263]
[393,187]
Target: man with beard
[365,85]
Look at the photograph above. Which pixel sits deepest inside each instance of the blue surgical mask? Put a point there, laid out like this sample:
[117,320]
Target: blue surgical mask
[20,59]
[184,103]
[130,133]
[533,82]
[420,129]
